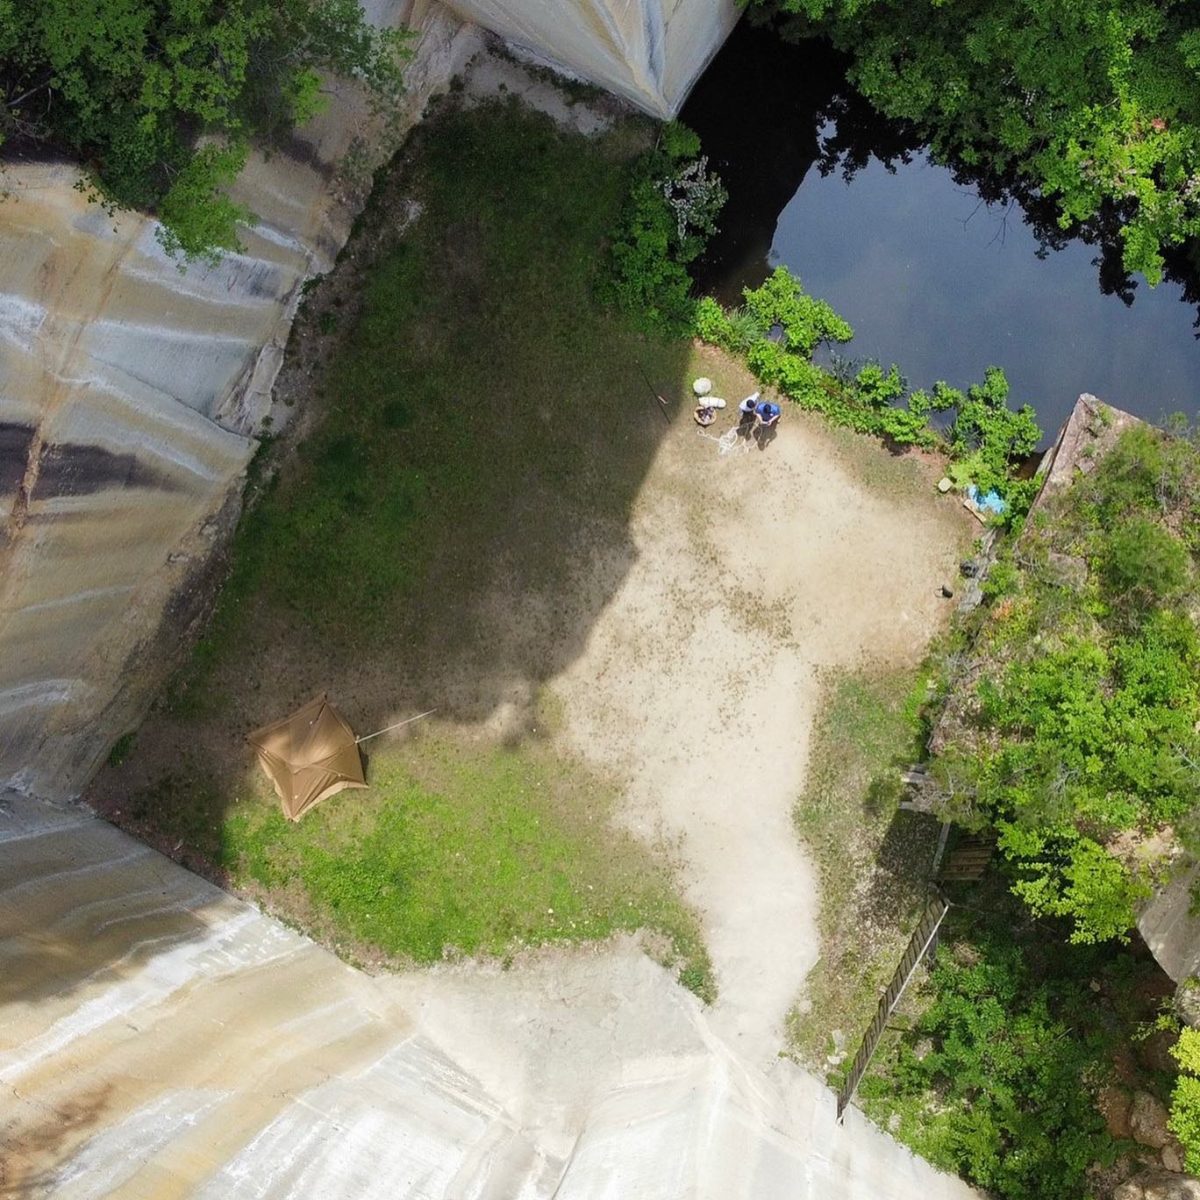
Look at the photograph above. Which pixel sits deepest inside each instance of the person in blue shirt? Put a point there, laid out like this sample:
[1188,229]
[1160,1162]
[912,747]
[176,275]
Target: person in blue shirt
[766,421]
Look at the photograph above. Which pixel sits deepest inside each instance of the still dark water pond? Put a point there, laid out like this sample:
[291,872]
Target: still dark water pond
[930,276]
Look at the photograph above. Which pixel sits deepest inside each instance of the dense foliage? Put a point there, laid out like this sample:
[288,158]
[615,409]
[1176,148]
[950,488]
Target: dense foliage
[670,211]
[1185,1099]
[780,326]
[161,99]
[995,1078]
[1094,103]
[1083,723]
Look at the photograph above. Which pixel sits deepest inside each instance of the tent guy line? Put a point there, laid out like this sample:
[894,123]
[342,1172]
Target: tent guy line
[388,728]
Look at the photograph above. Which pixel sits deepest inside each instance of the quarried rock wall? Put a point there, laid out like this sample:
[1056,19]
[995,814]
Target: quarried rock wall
[130,393]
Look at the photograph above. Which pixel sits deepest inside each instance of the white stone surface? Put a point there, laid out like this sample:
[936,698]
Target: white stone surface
[648,51]
[160,1039]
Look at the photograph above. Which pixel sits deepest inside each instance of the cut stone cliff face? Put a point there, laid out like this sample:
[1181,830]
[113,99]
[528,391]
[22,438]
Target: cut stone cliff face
[159,1038]
[650,52]
[130,391]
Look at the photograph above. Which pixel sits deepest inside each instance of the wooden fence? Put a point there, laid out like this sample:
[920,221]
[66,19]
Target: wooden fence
[918,945]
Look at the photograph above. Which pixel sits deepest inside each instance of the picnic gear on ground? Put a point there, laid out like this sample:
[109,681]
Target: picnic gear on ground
[704,415]
[309,756]
[702,386]
[989,502]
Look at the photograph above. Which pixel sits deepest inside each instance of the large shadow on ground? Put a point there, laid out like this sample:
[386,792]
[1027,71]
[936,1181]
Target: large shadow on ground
[447,521]
[477,428]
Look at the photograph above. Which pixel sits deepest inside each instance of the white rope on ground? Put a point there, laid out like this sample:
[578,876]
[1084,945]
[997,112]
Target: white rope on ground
[729,442]
[389,728]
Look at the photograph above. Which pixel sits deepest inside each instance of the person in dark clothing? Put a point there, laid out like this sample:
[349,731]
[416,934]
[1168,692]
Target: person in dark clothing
[766,423]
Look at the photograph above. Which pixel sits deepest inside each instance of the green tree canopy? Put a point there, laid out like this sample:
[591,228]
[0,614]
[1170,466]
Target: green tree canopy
[161,99]
[1083,721]
[1095,103]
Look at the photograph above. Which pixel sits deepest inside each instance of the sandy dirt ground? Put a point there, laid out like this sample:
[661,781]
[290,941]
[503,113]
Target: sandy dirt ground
[755,572]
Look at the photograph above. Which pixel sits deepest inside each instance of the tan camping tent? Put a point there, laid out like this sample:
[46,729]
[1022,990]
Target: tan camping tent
[310,755]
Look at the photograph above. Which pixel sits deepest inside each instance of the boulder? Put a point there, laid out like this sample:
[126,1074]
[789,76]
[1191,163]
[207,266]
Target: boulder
[1187,1002]
[1159,1185]
[1173,1156]
[1114,1104]
[1067,570]
[1148,1121]
[1154,1052]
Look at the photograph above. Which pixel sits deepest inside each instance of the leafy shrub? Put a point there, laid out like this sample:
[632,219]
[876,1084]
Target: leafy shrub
[647,281]
[669,213]
[998,1065]
[987,438]
[805,321]
[1064,874]
[713,324]
[1082,742]
[1141,564]
[989,434]
[1184,1121]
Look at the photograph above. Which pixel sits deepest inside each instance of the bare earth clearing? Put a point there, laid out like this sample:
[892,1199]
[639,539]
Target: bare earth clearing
[754,573]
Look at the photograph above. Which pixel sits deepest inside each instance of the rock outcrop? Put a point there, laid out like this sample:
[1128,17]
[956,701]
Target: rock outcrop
[1171,928]
[130,393]
[1159,1185]
[648,51]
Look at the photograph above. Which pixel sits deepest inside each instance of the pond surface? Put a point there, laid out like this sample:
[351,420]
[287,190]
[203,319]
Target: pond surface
[930,276]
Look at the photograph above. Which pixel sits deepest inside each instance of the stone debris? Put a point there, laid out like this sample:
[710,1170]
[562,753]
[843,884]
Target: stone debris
[1148,1121]
[1159,1185]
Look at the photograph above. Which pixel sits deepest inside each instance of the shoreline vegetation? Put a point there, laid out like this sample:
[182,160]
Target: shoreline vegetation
[673,203]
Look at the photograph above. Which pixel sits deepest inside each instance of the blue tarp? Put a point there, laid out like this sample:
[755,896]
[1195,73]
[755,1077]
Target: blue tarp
[991,502]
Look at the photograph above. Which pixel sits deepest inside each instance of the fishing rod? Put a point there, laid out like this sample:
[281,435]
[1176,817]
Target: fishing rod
[662,403]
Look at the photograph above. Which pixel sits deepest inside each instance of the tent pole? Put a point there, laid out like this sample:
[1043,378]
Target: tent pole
[389,728]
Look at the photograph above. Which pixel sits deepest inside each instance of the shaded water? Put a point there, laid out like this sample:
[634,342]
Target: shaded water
[930,276]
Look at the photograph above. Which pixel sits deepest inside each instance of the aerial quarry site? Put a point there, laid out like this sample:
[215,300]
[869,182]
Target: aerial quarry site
[448,751]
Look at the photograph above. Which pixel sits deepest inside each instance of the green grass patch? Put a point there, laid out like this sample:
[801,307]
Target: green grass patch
[453,852]
[872,860]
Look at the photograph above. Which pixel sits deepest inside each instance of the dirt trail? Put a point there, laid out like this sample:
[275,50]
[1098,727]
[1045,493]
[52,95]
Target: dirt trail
[700,680]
